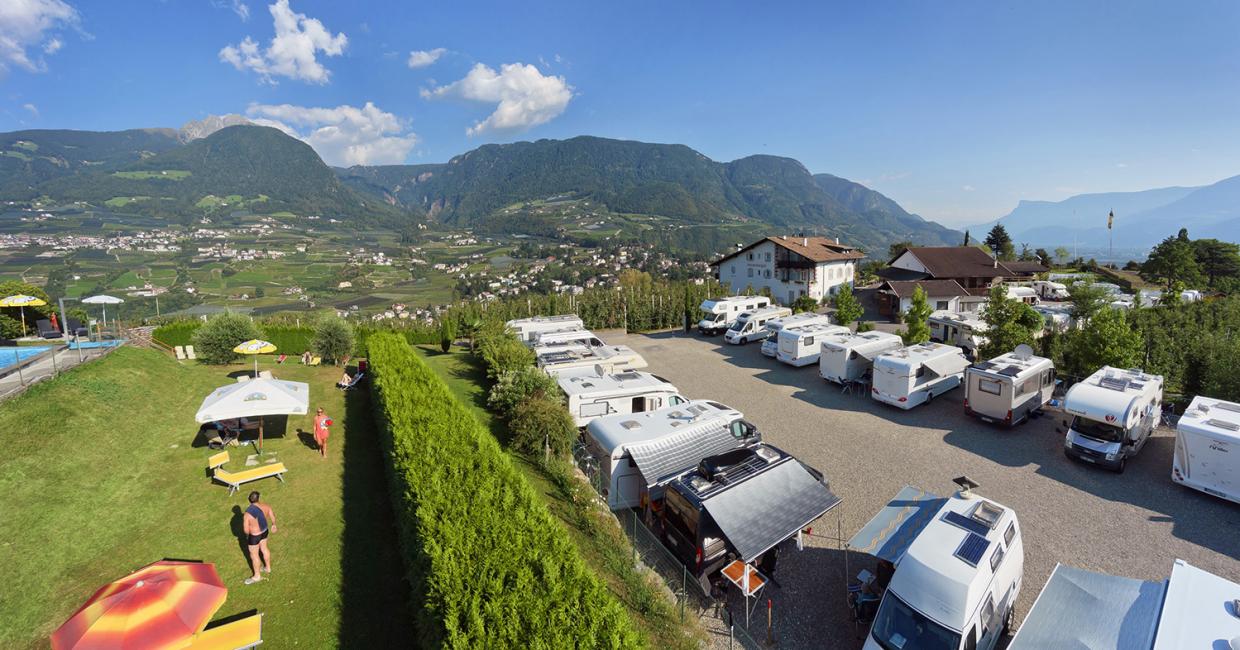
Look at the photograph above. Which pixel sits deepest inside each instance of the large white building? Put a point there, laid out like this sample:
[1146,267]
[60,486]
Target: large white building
[790,267]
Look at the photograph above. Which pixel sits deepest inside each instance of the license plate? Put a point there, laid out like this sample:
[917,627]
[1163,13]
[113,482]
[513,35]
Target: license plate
[983,418]
[1088,459]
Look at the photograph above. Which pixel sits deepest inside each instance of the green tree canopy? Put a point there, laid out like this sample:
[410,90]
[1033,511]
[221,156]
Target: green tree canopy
[916,329]
[1009,323]
[847,307]
[804,304]
[1172,260]
[1106,340]
[11,317]
[894,250]
[215,340]
[1061,254]
[333,338]
[1217,259]
[1000,243]
[1086,300]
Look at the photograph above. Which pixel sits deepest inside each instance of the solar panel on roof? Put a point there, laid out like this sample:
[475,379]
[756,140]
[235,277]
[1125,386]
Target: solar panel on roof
[972,549]
[1010,371]
[967,523]
[985,365]
[1114,383]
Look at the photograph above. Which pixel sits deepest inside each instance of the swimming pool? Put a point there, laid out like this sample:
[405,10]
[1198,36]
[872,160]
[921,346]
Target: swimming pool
[13,355]
[90,345]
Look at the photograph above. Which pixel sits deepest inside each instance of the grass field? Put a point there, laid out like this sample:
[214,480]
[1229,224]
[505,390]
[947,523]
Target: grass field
[166,174]
[467,381]
[104,473]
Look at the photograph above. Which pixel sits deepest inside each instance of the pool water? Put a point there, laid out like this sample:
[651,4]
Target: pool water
[13,355]
[90,345]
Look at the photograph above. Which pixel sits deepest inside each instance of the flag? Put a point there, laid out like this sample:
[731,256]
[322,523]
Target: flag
[1110,219]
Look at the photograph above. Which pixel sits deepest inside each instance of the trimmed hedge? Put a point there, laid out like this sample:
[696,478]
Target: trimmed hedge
[293,339]
[487,561]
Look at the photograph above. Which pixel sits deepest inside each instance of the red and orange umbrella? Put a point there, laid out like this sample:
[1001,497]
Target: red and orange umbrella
[162,605]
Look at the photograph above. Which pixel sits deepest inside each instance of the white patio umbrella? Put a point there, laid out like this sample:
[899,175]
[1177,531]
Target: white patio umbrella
[105,300]
[255,398]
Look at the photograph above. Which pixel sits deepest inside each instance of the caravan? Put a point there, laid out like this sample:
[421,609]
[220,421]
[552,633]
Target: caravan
[954,569]
[1113,412]
[751,326]
[803,345]
[959,330]
[528,329]
[848,357]
[1009,387]
[719,314]
[610,358]
[1048,290]
[916,374]
[1023,294]
[1207,448]
[593,393]
[545,340]
[637,454]
[770,344]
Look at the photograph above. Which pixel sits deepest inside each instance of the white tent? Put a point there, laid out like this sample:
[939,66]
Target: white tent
[255,398]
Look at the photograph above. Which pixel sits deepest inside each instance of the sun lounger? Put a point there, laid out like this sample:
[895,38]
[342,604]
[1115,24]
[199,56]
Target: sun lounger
[314,361]
[355,381]
[244,632]
[241,379]
[234,480]
[282,359]
[266,374]
[189,352]
[46,330]
[180,353]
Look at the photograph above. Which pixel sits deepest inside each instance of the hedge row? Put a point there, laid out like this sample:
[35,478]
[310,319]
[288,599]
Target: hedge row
[488,563]
[295,339]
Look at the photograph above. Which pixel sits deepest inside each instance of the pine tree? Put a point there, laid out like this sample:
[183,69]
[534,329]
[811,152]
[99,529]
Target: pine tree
[847,307]
[1000,243]
[916,327]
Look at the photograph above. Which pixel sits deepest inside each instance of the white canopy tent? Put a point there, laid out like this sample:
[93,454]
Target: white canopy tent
[255,398]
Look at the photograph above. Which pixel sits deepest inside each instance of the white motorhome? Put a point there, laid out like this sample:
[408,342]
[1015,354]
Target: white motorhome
[578,337]
[639,453]
[959,564]
[592,394]
[611,358]
[1113,411]
[916,374]
[528,329]
[802,346]
[961,330]
[1054,318]
[848,357]
[770,344]
[751,326]
[1009,387]
[1207,448]
[1026,295]
[1048,290]
[718,314]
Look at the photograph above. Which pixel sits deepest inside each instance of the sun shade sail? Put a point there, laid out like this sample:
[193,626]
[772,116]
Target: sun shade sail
[1080,609]
[948,365]
[893,529]
[763,511]
[255,398]
[660,460]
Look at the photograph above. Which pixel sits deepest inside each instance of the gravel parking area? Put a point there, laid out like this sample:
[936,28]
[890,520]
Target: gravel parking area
[1134,524]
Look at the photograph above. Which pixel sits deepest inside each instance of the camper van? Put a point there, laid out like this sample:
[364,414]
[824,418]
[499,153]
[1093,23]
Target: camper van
[1024,294]
[1048,290]
[803,345]
[546,340]
[610,358]
[740,505]
[960,330]
[1055,318]
[751,326]
[1009,387]
[916,374]
[593,393]
[718,314]
[1207,448]
[639,453]
[1113,411]
[958,567]
[848,357]
[770,344]
[528,329]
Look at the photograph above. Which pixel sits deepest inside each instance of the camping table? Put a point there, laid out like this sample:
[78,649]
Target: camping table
[748,580]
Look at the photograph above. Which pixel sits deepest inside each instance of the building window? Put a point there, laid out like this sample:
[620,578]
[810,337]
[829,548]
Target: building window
[768,273]
[751,257]
[751,272]
[768,257]
[732,269]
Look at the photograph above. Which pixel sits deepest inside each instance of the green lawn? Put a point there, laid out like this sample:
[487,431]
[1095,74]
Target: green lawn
[102,475]
[166,174]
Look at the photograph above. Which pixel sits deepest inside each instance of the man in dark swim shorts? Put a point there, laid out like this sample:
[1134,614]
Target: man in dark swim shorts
[258,521]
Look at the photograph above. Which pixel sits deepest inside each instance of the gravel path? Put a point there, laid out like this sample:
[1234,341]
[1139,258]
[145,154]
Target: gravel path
[1134,524]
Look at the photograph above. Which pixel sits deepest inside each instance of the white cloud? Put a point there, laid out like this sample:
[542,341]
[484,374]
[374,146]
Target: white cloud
[1121,165]
[237,6]
[31,23]
[34,110]
[968,188]
[344,135]
[292,53]
[524,98]
[423,58]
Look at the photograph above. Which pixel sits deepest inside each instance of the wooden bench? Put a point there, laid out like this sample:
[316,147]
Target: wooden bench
[234,480]
[246,632]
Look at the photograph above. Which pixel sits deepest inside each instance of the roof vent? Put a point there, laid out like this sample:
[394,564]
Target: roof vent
[1223,424]
[631,424]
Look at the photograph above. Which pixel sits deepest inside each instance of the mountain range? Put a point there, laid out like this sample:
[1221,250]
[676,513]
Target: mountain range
[223,161]
[1142,219]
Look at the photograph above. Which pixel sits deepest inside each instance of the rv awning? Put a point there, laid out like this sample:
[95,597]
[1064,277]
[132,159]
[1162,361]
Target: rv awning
[1080,609]
[948,365]
[1197,612]
[870,355]
[893,529]
[769,508]
[661,460]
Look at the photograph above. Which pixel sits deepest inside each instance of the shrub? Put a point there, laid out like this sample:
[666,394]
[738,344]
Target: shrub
[804,304]
[447,334]
[504,353]
[542,420]
[489,565]
[517,386]
[215,340]
[289,339]
[180,332]
[333,338]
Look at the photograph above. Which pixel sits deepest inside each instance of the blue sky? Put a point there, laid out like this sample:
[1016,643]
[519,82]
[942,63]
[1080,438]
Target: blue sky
[956,110]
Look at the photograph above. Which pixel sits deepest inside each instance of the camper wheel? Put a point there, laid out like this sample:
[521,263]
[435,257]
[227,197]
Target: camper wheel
[1123,463]
[744,340]
[1008,621]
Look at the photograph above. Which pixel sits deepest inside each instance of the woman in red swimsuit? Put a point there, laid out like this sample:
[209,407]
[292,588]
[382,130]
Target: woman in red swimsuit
[321,422]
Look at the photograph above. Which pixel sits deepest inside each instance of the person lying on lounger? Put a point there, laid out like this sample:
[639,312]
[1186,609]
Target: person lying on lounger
[345,380]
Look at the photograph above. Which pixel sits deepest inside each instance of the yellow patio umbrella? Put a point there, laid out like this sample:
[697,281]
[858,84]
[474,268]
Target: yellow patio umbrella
[255,347]
[23,302]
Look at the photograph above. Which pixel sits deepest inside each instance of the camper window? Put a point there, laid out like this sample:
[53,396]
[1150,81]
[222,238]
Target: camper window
[740,429]
[852,355]
[991,386]
[1009,534]
[1097,430]
[898,626]
[996,557]
[1048,377]
[809,340]
[1030,386]
[681,515]
[595,409]
[971,642]
[921,371]
[675,400]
